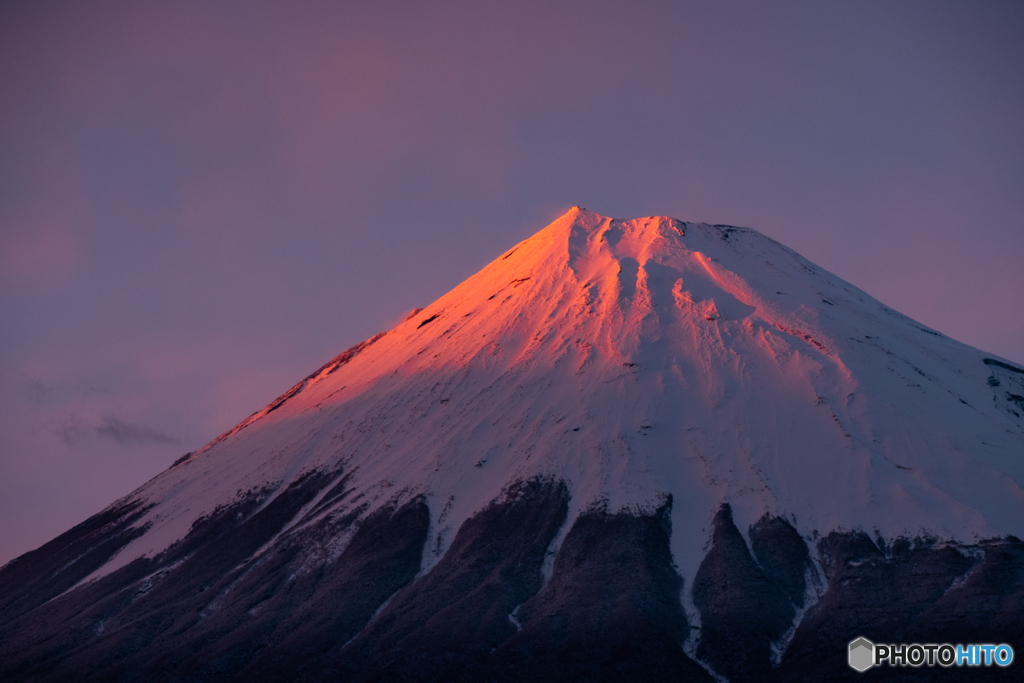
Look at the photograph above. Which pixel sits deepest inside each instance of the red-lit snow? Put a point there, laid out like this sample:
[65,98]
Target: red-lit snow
[636,359]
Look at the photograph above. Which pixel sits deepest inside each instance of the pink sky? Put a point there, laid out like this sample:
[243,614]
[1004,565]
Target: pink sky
[202,202]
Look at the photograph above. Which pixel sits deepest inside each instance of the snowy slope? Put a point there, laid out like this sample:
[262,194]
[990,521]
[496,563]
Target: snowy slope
[635,360]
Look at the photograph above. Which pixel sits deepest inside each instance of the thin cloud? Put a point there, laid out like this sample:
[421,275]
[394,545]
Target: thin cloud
[128,434]
[76,430]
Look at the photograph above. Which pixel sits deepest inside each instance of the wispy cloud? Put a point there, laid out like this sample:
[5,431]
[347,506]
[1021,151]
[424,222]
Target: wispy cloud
[126,433]
[75,430]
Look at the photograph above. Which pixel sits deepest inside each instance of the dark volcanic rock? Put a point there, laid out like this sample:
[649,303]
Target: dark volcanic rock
[208,607]
[611,611]
[782,554]
[287,621]
[743,609]
[445,625]
[916,593]
[38,576]
[273,588]
[986,605]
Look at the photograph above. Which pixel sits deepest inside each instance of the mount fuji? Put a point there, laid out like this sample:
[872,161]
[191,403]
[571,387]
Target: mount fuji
[624,450]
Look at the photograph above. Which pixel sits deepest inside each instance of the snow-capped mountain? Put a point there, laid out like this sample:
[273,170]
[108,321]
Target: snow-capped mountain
[640,449]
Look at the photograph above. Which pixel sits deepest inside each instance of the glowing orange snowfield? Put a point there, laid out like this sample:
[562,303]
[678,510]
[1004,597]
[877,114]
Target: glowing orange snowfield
[633,360]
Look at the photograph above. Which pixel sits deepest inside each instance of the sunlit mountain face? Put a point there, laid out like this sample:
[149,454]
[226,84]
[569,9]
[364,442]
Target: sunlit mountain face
[624,450]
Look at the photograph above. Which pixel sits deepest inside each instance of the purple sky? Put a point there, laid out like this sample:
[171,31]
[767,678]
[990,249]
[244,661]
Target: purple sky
[202,202]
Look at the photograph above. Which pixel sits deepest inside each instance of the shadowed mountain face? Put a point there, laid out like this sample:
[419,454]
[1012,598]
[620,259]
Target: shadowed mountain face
[743,608]
[908,592]
[611,610]
[445,626]
[241,599]
[213,609]
[624,450]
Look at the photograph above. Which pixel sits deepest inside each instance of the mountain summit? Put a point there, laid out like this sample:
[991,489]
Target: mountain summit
[634,449]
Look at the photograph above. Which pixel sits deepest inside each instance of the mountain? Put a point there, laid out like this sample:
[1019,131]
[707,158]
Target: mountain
[624,450]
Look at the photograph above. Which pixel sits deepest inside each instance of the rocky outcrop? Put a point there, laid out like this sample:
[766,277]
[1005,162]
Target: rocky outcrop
[278,586]
[745,606]
[445,625]
[205,607]
[610,612]
[910,592]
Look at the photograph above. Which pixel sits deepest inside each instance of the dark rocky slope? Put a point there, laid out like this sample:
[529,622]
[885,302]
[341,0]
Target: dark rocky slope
[246,596]
[921,592]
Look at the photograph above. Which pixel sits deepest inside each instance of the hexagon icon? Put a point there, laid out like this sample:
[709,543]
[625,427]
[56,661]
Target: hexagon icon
[862,654]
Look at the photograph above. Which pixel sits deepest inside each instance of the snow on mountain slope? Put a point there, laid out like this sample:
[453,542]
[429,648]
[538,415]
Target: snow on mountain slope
[636,360]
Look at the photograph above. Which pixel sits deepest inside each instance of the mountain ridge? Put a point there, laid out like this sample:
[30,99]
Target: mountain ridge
[714,299]
[695,405]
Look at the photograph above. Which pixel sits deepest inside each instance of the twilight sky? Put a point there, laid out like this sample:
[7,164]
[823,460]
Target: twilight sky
[200,202]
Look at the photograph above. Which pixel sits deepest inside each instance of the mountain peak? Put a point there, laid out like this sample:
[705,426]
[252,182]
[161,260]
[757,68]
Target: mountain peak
[639,359]
[607,399]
